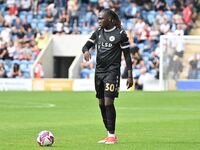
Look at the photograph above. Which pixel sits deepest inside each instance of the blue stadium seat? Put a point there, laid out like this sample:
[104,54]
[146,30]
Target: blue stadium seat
[16,61]
[151,16]
[29,17]
[169,14]
[41,26]
[24,65]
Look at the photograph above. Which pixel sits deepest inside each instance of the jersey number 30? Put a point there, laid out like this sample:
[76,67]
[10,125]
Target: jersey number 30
[110,87]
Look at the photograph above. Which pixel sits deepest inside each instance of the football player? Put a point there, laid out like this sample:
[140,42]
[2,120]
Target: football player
[110,41]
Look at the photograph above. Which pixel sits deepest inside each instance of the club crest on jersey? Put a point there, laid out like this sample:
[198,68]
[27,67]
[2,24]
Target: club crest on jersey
[111,38]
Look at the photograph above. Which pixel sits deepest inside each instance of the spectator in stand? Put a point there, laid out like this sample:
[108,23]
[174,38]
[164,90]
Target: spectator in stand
[131,10]
[73,11]
[35,50]
[188,16]
[27,51]
[13,10]
[153,63]
[154,34]
[115,6]
[160,18]
[194,62]
[144,76]
[20,33]
[25,24]
[60,5]
[159,4]
[164,27]
[138,27]
[90,17]
[58,27]
[177,17]
[87,67]
[18,23]
[30,34]
[144,34]
[3,51]
[15,71]
[64,18]
[1,19]
[25,5]
[6,33]
[18,50]
[49,18]
[10,3]
[38,71]
[179,30]
[42,39]
[2,70]
[103,4]
[11,50]
[9,18]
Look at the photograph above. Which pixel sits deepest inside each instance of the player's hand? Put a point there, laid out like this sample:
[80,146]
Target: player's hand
[129,82]
[87,55]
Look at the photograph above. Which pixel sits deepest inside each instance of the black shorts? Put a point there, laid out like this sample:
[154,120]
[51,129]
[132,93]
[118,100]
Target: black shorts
[107,85]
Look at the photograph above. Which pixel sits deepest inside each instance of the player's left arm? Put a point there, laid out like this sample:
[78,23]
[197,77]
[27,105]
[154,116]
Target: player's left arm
[125,46]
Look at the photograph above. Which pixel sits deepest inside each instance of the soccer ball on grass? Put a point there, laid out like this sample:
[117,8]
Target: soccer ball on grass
[45,138]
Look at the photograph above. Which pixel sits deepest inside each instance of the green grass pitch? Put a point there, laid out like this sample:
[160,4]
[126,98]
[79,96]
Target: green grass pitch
[145,120]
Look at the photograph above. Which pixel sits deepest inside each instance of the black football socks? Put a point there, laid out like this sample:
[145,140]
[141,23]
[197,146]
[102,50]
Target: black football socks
[103,114]
[111,117]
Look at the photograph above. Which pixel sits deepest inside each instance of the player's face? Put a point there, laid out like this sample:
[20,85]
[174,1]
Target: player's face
[102,20]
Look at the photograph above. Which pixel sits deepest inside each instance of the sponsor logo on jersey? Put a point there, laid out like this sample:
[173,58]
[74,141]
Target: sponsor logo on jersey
[105,44]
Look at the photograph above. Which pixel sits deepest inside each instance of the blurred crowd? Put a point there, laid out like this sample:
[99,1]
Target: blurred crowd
[145,21]
[25,26]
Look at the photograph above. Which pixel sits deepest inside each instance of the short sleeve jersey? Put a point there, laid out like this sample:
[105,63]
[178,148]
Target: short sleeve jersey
[109,45]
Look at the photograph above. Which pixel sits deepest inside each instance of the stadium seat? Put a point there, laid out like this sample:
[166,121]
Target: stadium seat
[29,17]
[24,65]
[151,16]
[41,25]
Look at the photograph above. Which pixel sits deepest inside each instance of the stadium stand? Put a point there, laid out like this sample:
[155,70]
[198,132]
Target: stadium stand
[25,26]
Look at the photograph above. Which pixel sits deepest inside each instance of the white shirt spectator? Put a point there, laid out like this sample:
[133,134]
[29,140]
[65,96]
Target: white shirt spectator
[25,4]
[145,76]
[9,18]
[10,2]
[5,34]
[59,27]
[139,26]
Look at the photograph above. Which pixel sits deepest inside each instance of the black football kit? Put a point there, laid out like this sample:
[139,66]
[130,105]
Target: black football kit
[109,45]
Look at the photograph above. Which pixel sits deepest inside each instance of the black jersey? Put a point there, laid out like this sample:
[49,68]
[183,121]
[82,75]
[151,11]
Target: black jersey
[109,45]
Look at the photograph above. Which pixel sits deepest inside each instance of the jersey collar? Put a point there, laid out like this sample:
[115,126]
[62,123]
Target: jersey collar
[110,29]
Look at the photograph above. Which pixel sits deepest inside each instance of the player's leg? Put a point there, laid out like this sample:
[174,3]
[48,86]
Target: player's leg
[99,87]
[103,111]
[110,114]
[111,119]
[104,117]
[111,86]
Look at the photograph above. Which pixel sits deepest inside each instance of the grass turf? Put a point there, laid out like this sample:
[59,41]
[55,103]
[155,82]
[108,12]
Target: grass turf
[145,120]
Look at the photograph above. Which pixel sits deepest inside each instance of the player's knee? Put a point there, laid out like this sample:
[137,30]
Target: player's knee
[101,102]
[109,101]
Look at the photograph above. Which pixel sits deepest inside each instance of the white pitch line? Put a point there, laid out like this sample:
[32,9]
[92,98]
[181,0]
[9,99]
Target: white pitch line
[159,109]
[10,104]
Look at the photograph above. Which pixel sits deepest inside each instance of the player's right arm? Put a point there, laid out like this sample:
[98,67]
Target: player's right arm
[90,43]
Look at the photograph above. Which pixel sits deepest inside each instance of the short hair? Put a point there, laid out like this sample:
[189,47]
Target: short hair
[114,17]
